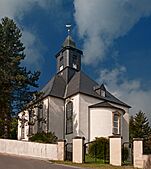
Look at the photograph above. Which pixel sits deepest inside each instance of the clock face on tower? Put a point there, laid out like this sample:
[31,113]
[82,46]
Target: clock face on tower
[74,66]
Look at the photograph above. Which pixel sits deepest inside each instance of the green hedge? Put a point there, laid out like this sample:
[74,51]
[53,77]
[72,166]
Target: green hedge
[99,148]
[44,137]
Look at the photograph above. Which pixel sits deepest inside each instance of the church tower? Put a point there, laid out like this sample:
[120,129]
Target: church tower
[68,59]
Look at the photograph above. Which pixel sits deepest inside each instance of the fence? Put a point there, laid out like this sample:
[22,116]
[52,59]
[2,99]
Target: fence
[127,153]
[75,151]
[68,151]
[95,153]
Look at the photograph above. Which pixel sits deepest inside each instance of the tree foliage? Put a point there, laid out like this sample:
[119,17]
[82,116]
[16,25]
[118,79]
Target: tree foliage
[43,137]
[15,80]
[140,128]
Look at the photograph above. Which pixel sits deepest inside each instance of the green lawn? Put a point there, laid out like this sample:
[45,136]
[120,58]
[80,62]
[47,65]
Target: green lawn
[93,165]
[89,159]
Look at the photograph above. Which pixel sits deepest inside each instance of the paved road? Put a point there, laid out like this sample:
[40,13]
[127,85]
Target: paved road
[14,162]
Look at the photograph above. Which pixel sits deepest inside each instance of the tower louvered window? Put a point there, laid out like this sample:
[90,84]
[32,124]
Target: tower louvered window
[69,118]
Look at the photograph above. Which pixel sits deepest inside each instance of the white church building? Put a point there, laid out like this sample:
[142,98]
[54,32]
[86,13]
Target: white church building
[72,104]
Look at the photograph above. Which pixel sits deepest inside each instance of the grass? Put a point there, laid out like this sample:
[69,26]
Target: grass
[89,159]
[91,162]
[92,165]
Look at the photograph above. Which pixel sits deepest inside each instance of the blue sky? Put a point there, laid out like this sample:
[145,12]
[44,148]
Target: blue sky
[114,35]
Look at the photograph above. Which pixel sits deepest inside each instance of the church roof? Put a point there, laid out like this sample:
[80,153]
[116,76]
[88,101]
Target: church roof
[79,83]
[69,42]
[105,105]
[55,87]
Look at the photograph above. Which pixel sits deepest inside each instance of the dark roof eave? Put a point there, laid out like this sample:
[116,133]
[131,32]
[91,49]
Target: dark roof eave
[125,105]
[109,106]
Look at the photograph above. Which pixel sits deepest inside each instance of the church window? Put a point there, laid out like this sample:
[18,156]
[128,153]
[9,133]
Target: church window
[74,62]
[30,123]
[61,63]
[40,118]
[22,131]
[116,123]
[69,118]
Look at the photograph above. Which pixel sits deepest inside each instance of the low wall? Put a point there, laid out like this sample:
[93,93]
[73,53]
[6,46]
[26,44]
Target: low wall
[31,149]
[146,161]
[140,160]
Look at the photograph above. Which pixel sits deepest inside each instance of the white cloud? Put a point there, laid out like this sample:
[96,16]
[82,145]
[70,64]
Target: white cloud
[100,22]
[127,90]
[16,9]
[32,50]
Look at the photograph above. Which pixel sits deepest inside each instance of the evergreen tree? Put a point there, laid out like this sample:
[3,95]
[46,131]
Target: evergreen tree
[139,128]
[15,80]
[131,128]
[141,124]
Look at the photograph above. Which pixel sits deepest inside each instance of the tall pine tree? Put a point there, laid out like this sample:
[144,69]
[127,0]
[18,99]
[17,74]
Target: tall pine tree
[15,80]
[139,128]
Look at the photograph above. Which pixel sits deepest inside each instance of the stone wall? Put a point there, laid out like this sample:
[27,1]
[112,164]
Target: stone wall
[140,160]
[29,149]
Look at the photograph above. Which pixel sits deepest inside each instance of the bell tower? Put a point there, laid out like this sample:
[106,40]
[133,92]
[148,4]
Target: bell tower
[68,58]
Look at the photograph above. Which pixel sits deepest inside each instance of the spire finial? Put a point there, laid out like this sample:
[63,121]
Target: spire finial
[68,26]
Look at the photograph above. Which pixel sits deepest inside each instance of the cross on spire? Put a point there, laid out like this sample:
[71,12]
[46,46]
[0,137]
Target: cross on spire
[68,26]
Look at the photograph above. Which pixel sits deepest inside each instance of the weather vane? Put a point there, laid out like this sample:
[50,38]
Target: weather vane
[68,26]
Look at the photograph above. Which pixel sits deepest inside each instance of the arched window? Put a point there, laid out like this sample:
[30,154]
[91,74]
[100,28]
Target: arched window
[69,118]
[22,130]
[116,123]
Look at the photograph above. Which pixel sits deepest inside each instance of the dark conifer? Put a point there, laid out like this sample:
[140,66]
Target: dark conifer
[15,80]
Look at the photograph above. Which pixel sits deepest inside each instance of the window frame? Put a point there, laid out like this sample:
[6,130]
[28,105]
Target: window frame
[117,122]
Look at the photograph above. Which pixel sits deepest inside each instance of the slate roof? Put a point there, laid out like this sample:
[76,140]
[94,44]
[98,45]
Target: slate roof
[105,105]
[69,42]
[55,87]
[79,83]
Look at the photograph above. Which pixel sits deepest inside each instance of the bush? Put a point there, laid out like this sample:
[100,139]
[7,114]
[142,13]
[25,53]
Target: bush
[44,137]
[99,148]
[147,146]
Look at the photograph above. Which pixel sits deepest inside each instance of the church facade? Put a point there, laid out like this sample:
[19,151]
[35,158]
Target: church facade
[72,104]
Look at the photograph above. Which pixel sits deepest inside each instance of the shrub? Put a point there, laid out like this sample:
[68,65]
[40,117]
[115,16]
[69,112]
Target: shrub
[99,148]
[44,137]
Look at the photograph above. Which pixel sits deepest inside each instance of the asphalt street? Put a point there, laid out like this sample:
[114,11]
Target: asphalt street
[16,162]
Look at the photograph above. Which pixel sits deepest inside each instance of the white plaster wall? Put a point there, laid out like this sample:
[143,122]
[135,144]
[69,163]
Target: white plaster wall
[84,103]
[56,116]
[26,125]
[23,148]
[100,123]
[76,100]
[115,151]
